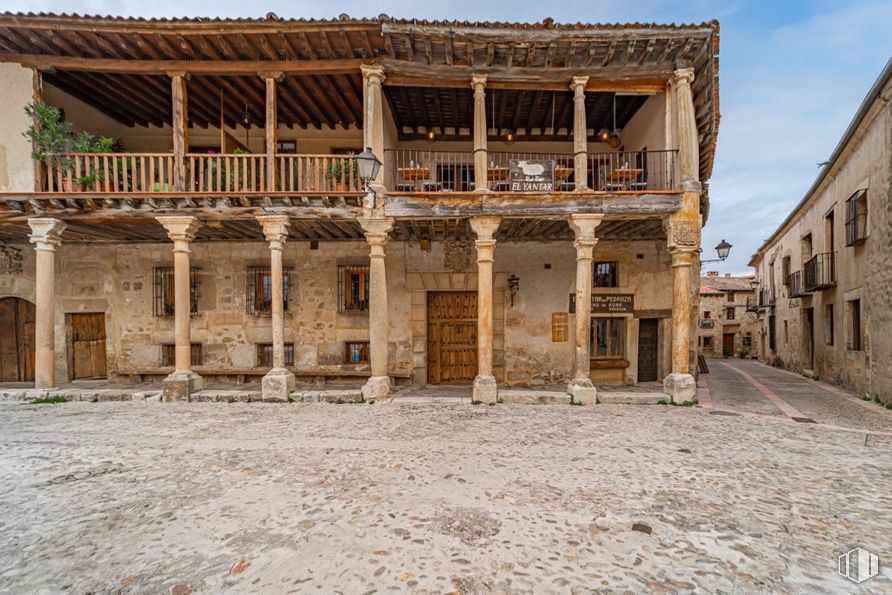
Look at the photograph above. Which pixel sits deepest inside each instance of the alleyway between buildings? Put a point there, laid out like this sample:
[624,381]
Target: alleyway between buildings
[422,496]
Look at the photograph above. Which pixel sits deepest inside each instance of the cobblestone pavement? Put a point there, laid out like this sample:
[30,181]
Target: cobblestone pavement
[144,497]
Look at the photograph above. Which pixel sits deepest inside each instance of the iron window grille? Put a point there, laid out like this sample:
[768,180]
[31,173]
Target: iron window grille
[353,288]
[265,354]
[163,291]
[856,218]
[356,352]
[259,290]
[605,274]
[168,354]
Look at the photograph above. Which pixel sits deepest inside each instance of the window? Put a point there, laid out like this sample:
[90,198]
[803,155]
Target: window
[707,315]
[730,296]
[785,271]
[855,325]
[353,288]
[605,275]
[259,293]
[707,342]
[856,218]
[163,291]
[265,354]
[169,354]
[748,341]
[730,313]
[830,231]
[607,338]
[829,326]
[772,333]
[356,352]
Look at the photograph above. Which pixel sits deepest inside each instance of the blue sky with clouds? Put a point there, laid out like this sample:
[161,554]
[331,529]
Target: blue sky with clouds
[792,74]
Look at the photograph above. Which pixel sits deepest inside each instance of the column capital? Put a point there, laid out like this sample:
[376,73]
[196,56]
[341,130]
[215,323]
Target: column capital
[376,228]
[275,229]
[682,235]
[373,73]
[584,225]
[478,82]
[46,233]
[180,228]
[683,76]
[484,227]
[577,85]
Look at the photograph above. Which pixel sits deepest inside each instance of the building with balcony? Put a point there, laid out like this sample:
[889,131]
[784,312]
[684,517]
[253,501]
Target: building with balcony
[828,266]
[728,324]
[219,224]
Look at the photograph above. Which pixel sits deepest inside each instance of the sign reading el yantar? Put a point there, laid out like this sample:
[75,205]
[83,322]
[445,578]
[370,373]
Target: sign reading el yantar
[613,303]
[531,175]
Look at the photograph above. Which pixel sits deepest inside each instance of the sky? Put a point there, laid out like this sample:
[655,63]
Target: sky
[792,74]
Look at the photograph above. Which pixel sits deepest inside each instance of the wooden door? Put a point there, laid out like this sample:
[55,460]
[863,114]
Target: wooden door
[451,337]
[88,346]
[728,345]
[16,340]
[648,346]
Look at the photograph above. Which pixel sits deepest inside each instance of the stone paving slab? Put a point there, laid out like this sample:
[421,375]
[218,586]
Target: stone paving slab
[631,398]
[327,396]
[533,397]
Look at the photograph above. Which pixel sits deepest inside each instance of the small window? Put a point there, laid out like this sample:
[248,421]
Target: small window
[606,274]
[259,292]
[163,291]
[856,218]
[265,354]
[356,352]
[730,313]
[855,325]
[169,354]
[785,271]
[707,315]
[608,338]
[829,325]
[707,342]
[730,296]
[353,288]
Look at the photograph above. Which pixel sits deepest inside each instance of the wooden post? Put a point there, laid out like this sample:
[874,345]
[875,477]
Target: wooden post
[373,124]
[485,388]
[580,132]
[583,226]
[180,125]
[40,169]
[378,386]
[271,128]
[478,83]
[46,235]
[278,383]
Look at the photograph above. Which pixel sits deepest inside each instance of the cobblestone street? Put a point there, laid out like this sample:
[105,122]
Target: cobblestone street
[735,496]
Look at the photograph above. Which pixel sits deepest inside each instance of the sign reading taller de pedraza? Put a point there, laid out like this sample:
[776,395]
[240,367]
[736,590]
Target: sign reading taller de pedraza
[531,175]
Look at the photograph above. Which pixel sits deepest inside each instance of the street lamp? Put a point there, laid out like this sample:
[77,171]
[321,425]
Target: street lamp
[368,165]
[723,249]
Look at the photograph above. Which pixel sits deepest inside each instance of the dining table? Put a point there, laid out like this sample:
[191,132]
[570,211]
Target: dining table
[415,175]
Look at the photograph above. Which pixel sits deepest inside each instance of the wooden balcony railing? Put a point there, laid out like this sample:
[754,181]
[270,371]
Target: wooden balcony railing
[149,173]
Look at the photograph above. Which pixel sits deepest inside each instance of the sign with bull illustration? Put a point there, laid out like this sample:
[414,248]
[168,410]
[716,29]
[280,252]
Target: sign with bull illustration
[531,175]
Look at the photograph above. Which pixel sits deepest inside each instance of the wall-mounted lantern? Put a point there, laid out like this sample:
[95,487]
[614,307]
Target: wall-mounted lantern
[513,287]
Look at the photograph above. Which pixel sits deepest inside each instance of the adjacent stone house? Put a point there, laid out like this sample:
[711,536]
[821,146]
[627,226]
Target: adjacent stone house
[825,293]
[535,216]
[728,324]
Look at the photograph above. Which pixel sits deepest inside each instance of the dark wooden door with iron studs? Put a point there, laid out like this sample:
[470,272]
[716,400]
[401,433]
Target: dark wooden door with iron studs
[647,349]
[451,337]
[16,340]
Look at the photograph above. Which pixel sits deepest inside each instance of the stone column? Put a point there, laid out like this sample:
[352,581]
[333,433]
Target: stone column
[378,386]
[183,381]
[478,83]
[580,132]
[684,243]
[685,125]
[278,383]
[581,387]
[46,234]
[485,389]
[373,103]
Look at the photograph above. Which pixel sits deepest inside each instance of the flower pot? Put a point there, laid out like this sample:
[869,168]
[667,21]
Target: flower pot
[69,185]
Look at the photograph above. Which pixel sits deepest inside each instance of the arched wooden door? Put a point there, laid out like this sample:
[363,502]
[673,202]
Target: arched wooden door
[16,340]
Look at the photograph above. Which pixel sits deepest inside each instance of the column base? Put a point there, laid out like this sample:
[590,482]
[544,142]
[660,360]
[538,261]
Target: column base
[277,385]
[583,391]
[180,384]
[486,390]
[681,387]
[377,389]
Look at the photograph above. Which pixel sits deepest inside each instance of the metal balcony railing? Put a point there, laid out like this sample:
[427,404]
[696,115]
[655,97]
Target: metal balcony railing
[795,287]
[820,271]
[766,298]
[752,304]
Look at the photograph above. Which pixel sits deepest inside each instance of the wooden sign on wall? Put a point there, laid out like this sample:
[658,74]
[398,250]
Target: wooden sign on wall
[560,327]
[531,175]
[608,303]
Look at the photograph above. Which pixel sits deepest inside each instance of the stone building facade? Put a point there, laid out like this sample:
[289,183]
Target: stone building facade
[529,183]
[728,324]
[825,294]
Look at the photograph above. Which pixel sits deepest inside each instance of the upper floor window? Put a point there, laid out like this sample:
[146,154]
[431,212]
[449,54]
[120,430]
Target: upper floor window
[856,218]
[606,274]
[730,313]
[785,271]
[259,292]
[730,296]
[163,291]
[353,288]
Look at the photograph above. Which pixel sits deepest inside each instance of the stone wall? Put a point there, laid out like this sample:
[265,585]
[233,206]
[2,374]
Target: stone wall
[742,325]
[16,165]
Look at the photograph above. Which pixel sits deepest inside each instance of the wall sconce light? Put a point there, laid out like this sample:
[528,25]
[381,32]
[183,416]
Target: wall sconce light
[425,245]
[513,287]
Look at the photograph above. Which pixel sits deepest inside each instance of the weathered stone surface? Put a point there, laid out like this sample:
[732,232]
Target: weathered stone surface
[630,398]
[180,385]
[377,389]
[276,385]
[327,396]
[583,392]
[486,390]
[680,387]
[533,397]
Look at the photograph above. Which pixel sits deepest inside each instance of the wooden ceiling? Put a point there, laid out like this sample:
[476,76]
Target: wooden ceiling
[520,111]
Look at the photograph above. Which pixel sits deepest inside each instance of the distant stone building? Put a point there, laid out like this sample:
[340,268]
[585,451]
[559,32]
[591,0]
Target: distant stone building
[728,323]
[825,293]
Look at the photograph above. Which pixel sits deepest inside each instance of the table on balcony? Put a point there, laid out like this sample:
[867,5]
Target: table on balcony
[624,176]
[415,175]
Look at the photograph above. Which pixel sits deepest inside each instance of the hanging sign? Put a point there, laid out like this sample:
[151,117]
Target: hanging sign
[531,175]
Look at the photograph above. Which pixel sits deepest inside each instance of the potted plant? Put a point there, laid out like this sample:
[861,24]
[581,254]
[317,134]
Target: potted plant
[339,171]
[51,138]
[85,142]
